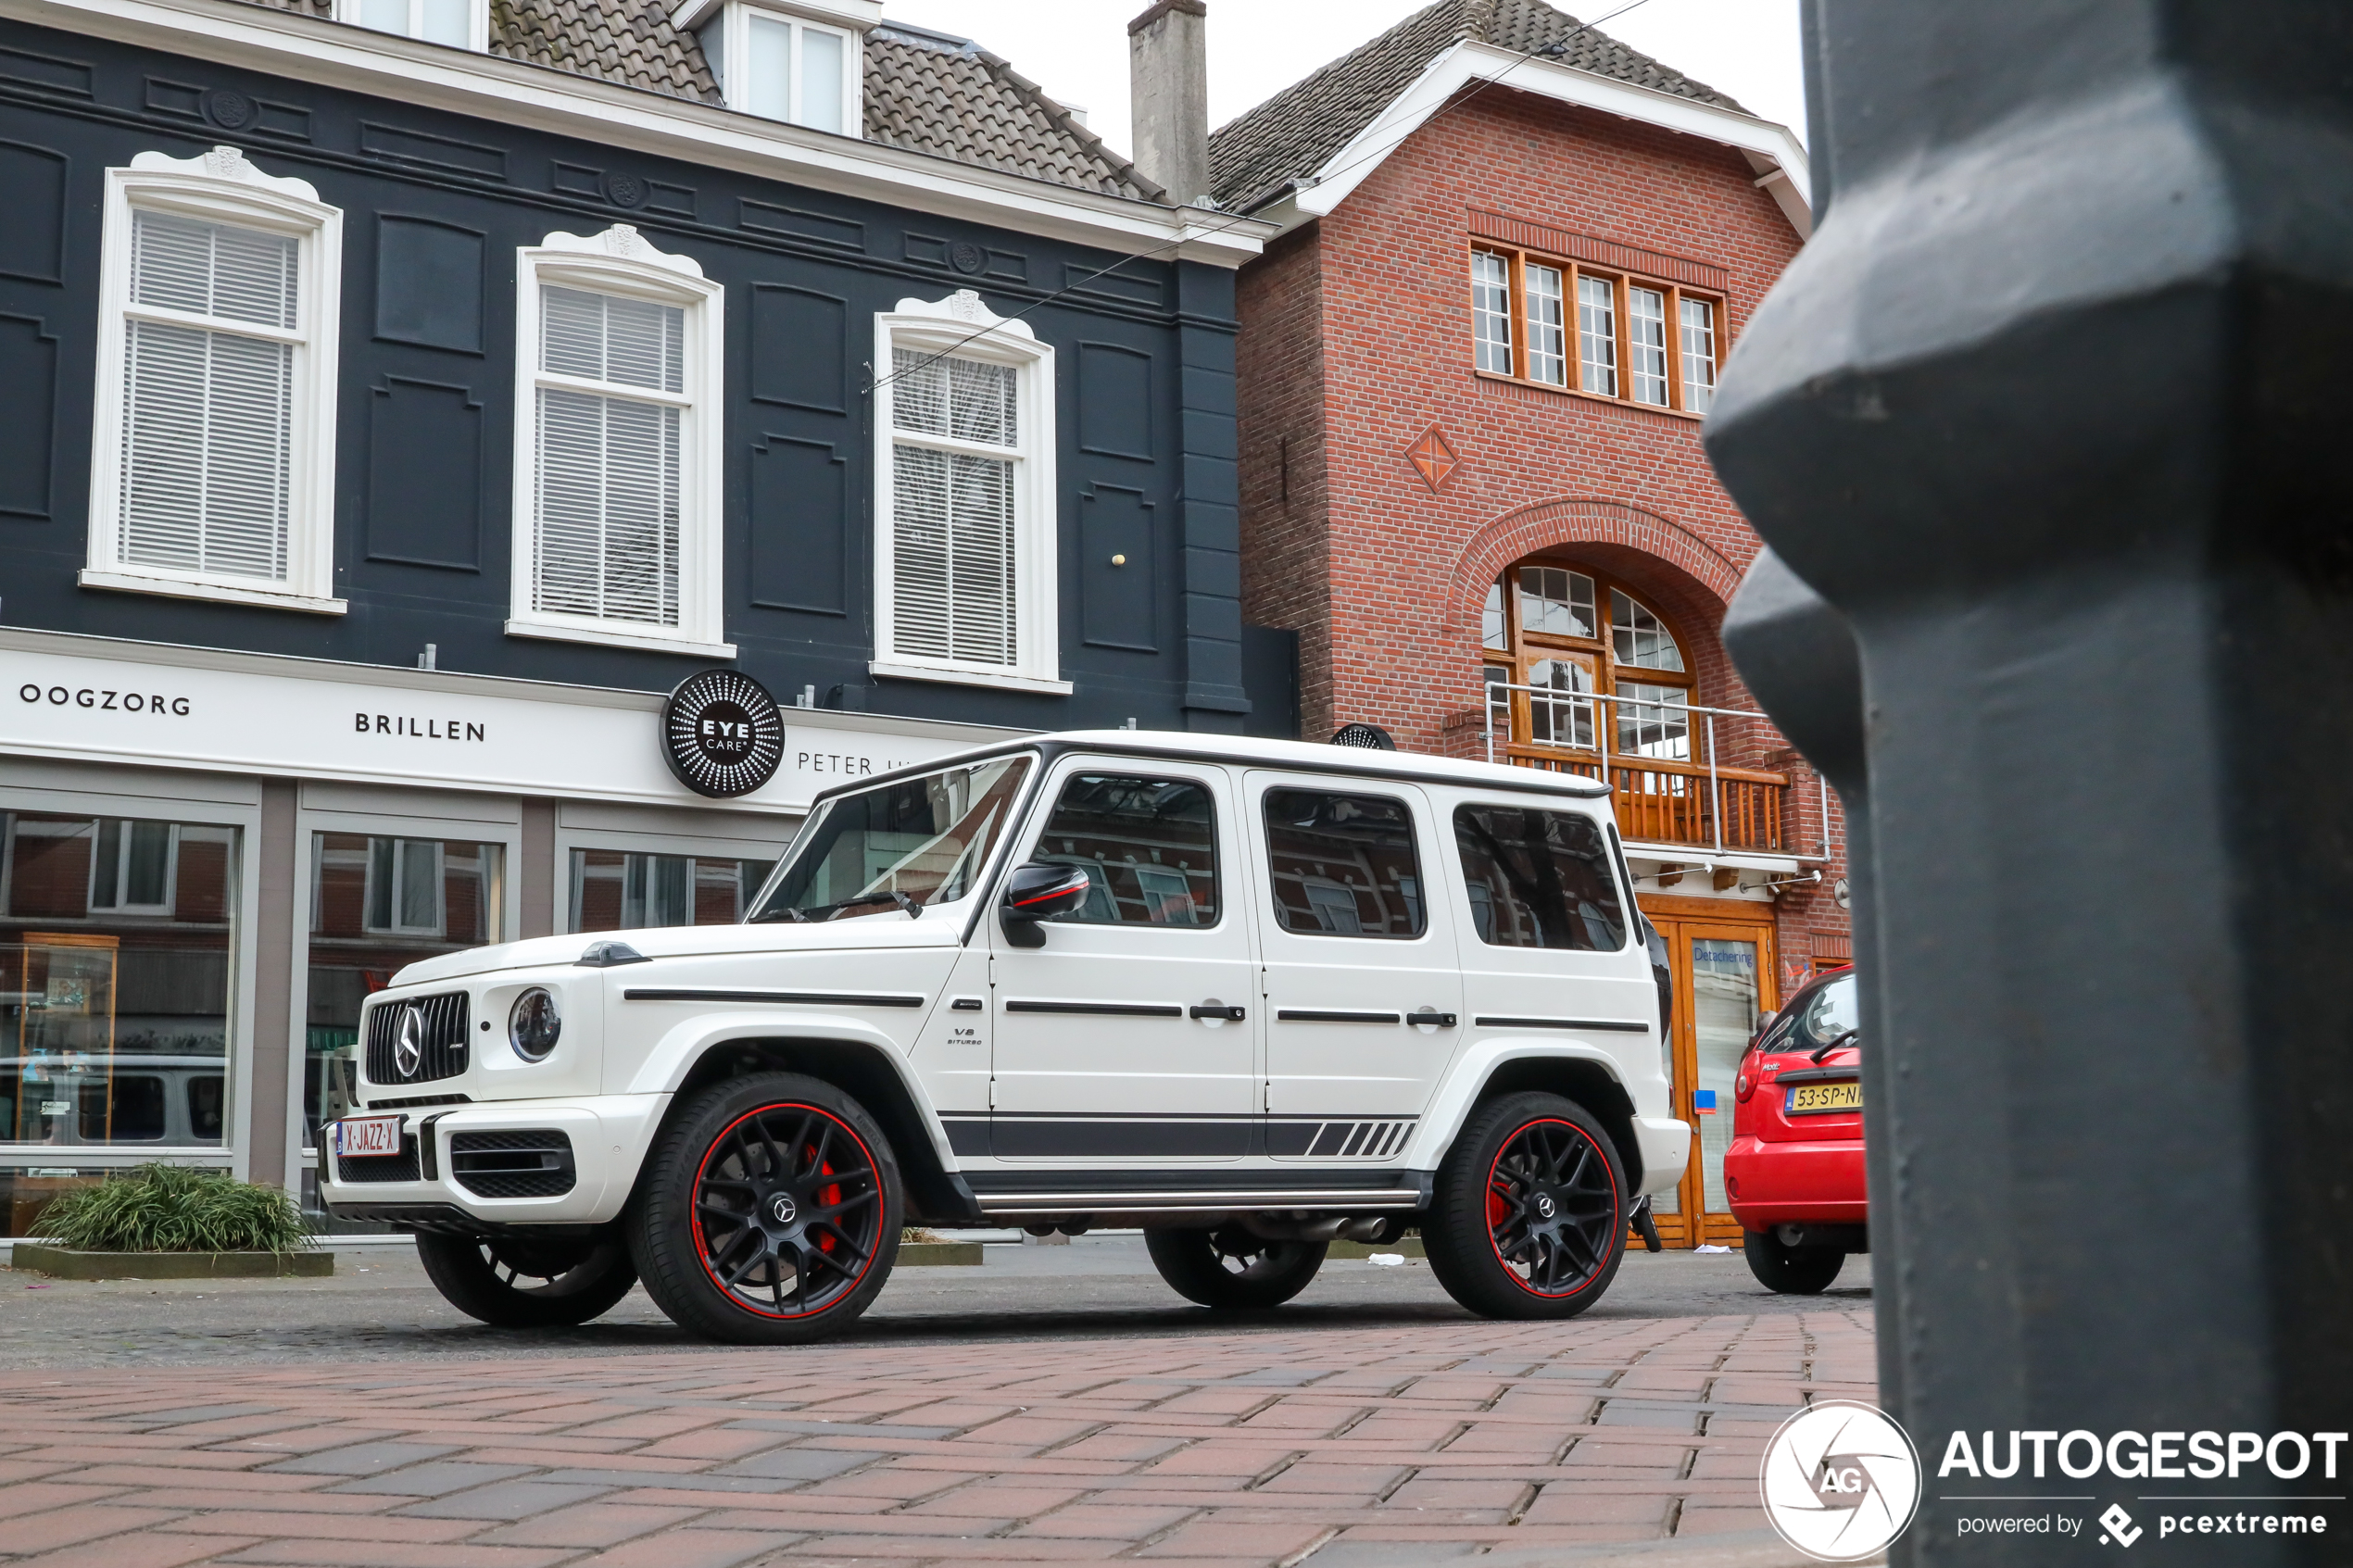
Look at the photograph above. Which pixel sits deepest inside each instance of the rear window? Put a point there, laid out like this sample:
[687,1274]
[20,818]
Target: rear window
[1343,865]
[1814,1019]
[1538,879]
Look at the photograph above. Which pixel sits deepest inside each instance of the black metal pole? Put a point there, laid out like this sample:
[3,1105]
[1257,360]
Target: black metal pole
[2050,410]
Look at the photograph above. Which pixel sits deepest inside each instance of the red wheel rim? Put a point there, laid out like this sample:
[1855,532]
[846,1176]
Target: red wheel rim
[788,1211]
[1554,1216]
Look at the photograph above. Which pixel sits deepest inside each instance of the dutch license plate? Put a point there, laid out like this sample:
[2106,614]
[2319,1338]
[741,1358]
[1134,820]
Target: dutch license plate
[357,1138]
[1812,1100]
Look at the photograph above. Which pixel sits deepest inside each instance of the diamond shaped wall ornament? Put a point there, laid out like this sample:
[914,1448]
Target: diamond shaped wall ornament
[1432,457]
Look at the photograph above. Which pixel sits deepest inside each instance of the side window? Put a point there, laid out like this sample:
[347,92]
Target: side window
[1148,848]
[1538,879]
[1343,865]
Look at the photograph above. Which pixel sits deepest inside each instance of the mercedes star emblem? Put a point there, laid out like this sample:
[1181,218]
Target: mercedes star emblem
[1544,1204]
[409,1044]
[783,1207]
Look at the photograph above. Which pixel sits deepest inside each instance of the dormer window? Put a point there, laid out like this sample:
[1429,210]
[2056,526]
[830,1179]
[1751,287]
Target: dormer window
[799,61]
[461,24]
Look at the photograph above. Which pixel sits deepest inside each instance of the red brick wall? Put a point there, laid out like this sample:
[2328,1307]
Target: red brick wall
[1356,338]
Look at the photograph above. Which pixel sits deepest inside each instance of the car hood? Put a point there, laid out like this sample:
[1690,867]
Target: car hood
[941,927]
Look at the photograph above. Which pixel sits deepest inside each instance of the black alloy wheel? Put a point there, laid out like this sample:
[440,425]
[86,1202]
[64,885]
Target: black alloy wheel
[1231,1269]
[769,1212]
[1531,1211]
[528,1281]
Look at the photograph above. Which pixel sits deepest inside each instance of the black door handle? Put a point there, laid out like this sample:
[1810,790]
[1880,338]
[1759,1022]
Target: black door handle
[1431,1016]
[1216,1009]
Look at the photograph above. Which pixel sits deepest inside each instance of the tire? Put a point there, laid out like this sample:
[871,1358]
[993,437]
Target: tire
[1530,1212]
[517,1282]
[1790,1270]
[1232,1269]
[768,1212]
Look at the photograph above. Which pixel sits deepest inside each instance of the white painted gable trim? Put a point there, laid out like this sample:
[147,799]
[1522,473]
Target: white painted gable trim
[1772,150]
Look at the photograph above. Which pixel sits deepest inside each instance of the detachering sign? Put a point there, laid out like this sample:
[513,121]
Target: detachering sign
[314,718]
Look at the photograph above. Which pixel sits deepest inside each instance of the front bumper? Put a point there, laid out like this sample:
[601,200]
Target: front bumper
[1664,1146]
[608,1135]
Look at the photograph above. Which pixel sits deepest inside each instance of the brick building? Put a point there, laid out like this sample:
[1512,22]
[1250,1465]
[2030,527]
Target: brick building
[1474,370]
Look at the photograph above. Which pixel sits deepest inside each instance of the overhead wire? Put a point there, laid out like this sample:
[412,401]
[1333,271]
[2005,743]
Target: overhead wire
[1557,47]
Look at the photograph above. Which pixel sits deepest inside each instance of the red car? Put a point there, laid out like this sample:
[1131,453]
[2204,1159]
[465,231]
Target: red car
[1794,1170]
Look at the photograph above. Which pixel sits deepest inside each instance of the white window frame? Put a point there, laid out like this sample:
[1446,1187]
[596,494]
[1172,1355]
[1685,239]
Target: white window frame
[621,261]
[122,906]
[477,23]
[964,324]
[220,186]
[725,27]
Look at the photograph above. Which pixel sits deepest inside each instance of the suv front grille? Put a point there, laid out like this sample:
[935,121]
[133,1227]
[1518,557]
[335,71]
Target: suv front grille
[525,1164]
[439,1038]
[401,1167]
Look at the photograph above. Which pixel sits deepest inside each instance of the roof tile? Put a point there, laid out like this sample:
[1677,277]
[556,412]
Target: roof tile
[1253,158]
[925,91]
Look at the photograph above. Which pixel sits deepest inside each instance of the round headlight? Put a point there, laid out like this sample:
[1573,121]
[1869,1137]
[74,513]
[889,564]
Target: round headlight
[534,1024]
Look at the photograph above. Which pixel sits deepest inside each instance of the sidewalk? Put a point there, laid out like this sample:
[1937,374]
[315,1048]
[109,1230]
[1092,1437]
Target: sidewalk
[1631,1441]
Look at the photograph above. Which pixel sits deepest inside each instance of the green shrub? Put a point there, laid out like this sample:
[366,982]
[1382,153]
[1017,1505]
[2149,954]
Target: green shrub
[175,1208]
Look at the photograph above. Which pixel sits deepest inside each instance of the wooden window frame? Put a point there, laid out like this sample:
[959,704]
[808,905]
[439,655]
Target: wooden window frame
[1515,261]
[1525,647]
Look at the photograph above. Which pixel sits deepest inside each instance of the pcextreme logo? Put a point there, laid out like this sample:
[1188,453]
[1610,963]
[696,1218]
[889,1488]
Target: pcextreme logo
[1841,1480]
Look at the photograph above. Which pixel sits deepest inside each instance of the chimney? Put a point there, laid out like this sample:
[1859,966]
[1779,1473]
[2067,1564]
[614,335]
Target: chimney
[1168,84]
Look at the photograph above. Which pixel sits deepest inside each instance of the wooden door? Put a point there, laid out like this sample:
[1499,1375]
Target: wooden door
[1724,976]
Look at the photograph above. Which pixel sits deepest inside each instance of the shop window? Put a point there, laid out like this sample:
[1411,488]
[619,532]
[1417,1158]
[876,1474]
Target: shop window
[1343,865]
[118,940]
[964,577]
[213,473]
[618,446]
[1538,879]
[1533,316]
[1148,848]
[622,890]
[379,903]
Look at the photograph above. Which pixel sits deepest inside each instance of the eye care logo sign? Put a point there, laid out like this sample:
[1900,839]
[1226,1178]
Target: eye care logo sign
[1840,1481]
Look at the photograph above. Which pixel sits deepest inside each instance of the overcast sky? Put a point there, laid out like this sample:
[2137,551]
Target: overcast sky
[1078,49]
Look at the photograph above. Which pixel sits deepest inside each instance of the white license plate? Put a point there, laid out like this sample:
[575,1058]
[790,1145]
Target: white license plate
[357,1138]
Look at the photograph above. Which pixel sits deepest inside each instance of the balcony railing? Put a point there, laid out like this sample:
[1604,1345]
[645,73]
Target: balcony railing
[1700,803]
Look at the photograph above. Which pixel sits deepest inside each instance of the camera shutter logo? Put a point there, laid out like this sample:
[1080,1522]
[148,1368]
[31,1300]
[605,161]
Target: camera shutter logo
[721,733]
[1840,1481]
[409,1044]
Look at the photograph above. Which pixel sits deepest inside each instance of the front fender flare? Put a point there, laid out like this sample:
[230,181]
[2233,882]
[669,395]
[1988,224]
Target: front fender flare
[676,1054]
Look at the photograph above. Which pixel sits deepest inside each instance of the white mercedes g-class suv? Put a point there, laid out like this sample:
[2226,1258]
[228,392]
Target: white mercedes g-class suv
[1249,995]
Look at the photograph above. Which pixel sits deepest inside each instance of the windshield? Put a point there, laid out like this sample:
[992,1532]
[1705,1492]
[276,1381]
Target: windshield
[1815,1019]
[908,844]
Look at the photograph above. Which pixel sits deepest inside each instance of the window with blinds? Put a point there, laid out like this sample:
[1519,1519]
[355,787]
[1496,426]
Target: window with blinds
[211,330]
[955,450]
[610,402]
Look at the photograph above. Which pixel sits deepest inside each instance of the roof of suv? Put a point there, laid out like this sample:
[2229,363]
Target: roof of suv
[1305,757]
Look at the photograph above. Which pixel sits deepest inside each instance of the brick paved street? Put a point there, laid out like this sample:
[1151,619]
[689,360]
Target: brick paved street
[1367,1431]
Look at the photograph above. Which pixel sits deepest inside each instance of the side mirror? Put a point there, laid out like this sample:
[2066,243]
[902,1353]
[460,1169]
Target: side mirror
[1038,892]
